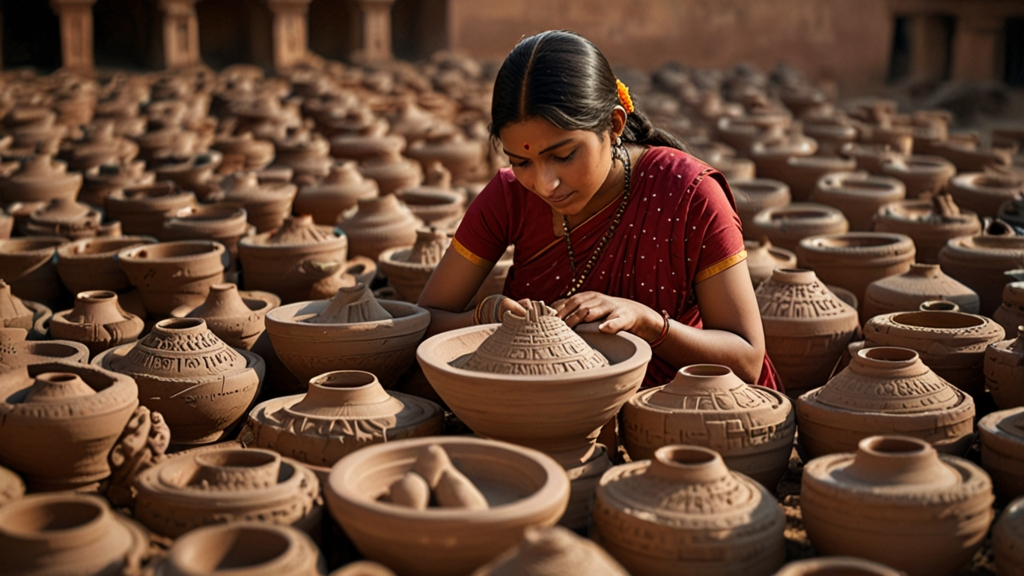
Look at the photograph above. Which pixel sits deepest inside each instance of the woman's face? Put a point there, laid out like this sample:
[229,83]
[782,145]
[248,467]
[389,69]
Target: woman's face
[566,169]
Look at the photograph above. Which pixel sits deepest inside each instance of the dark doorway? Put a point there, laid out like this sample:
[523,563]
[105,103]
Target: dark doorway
[31,35]
[419,28]
[126,33]
[235,31]
[922,48]
[1014,75]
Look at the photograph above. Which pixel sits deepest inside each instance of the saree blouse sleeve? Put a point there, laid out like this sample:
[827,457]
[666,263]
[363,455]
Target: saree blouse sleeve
[713,229]
[485,233]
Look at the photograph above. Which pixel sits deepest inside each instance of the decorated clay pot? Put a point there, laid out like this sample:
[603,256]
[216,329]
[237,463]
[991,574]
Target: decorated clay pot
[221,222]
[684,511]
[250,548]
[352,331]
[27,265]
[836,566]
[392,172]
[60,420]
[210,487]
[97,321]
[1002,450]
[890,389]
[552,552]
[379,224]
[979,262]
[1007,545]
[201,385]
[923,282]
[786,226]
[267,204]
[67,218]
[336,193]
[858,194]
[236,318]
[763,259]
[983,192]
[755,195]
[91,263]
[929,223]
[40,179]
[848,502]
[343,411]
[523,489]
[68,533]
[922,175]
[806,326]
[1010,313]
[698,405]
[32,317]
[173,274]
[141,209]
[408,268]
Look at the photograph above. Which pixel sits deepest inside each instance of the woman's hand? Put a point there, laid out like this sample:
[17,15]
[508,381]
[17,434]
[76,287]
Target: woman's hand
[618,314]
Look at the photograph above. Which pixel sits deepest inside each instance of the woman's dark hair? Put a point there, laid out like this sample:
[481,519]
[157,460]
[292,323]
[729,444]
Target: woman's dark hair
[563,78]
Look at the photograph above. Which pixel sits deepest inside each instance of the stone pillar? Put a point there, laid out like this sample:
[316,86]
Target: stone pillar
[75,33]
[376,32]
[291,32]
[181,32]
[976,45]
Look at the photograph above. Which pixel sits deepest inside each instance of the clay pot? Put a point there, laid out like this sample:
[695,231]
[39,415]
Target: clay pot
[1003,377]
[32,317]
[289,260]
[343,411]
[379,224]
[191,172]
[173,274]
[523,488]
[552,552]
[858,194]
[929,223]
[836,566]
[236,318]
[856,259]
[41,178]
[363,568]
[408,268]
[11,486]
[869,157]
[372,142]
[243,548]
[97,321]
[806,326]
[755,195]
[1010,313]
[984,193]
[201,385]
[98,146]
[434,202]
[267,204]
[70,219]
[803,172]
[763,259]
[255,154]
[392,172]
[1006,541]
[17,352]
[463,157]
[979,262]
[696,405]
[885,388]
[920,174]
[943,504]
[336,193]
[923,282]
[970,157]
[306,153]
[60,420]
[831,135]
[27,265]
[91,263]
[352,331]
[141,209]
[1002,450]
[654,516]
[215,486]
[786,226]
[771,156]
[69,534]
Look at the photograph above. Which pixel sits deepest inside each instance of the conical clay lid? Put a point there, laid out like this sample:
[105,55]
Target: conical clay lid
[352,305]
[539,343]
[714,388]
[298,230]
[799,294]
[430,246]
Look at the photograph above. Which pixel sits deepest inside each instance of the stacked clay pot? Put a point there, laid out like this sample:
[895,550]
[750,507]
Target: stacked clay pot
[806,326]
[763,259]
[751,427]
[223,223]
[68,218]
[392,172]
[91,264]
[102,180]
[201,385]
[858,194]
[979,262]
[434,202]
[378,224]
[886,389]
[27,265]
[685,512]
[849,502]
[336,193]
[408,268]
[213,486]
[141,209]
[174,274]
[250,548]
[923,282]
[787,225]
[929,223]
[552,552]
[755,195]
[98,321]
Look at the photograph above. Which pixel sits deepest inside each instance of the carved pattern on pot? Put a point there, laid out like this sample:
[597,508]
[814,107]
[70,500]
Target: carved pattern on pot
[32,317]
[91,264]
[17,352]
[552,552]
[142,444]
[923,282]
[173,274]
[249,548]
[98,321]
[787,225]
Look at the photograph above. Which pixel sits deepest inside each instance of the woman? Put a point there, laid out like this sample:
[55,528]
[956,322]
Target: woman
[610,219]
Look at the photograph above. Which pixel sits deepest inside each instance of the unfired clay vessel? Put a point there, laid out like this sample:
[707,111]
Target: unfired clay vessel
[236,318]
[221,222]
[979,262]
[885,389]
[755,195]
[91,264]
[243,549]
[336,193]
[40,178]
[142,445]
[98,321]
[27,265]
[141,209]
[434,202]
[923,282]
[68,218]
[267,204]
[17,352]
[685,512]
[1004,373]
[173,274]
[858,194]
[392,171]
[803,172]
[30,316]
[553,552]
[763,259]
[922,175]
[849,502]
[929,223]
[102,180]
[1010,313]
[787,225]
[1002,450]
[409,267]
[379,224]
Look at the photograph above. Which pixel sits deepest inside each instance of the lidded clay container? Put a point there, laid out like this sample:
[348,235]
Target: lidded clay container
[923,282]
[173,274]
[859,195]
[787,225]
[40,179]
[553,551]
[98,321]
[685,512]
[336,193]
[890,389]
[408,268]
[201,385]
[763,259]
[1007,536]
[898,502]
[1002,450]
[91,263]
[249,548]
[141,209]
[755,195]
[267,204]
[751,427]
[194,489]
[979,262]
[379,224]
[929,223]
[806,327]
[59,420]
[343,411]
[236,318]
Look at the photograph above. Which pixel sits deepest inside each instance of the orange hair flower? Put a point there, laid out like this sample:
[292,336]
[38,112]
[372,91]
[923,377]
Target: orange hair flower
[624,98]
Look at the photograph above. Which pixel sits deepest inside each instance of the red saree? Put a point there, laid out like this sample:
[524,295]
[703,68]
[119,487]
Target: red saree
[679,228]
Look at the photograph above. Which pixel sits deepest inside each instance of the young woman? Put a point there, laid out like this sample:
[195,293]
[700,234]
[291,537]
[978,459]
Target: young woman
[611,221]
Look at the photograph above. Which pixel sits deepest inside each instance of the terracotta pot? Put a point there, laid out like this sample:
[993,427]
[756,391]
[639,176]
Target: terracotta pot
[60,420]
[523,487]
[771,156]
[552,552]
[869,157]
[929,223]
[215,486]
[141,209]
[755,195]
[243,549]
[984,193]
[1002,450]
[1012,212]
[653,516]
[221,222]
[235,317]
[98,321]
[972,157]
[33,317]
[306,153]
[67,218]
[379,224]
[849,502]
[1007,548]
[41,178]
[735,169]
[392,172]
[99,145]
[336,193]
[267,204]
[1010,313]
[173,274]
[27,265]
[434,202]
[69,534]
[372,142]
[920,174]
[408,268]
[836,566]
[91,263]
[191,172]
[806,326]
[1003,375]
[358,270]
[885,388]
[698,405]
[379,337]
[464,157]
[17,352]
[741,132]
[289,260]
[255,154]
[803,172]
[343,411]
[788,225]
[763,259]
[979,262]
[923,282]
[201,385]
[830,135]
[858,194]
[11,486]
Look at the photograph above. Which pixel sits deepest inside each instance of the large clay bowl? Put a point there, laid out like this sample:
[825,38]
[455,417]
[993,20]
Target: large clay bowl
[384,348]
[91,263]
[555,414]
[27,264]
[523,487]
[173,274]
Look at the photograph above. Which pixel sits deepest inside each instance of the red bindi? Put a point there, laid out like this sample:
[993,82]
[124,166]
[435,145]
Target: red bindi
[526,146]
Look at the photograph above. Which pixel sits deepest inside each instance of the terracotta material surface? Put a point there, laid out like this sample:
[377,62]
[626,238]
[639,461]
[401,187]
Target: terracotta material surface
[464,157]
[685,512]
[763,259]
[104,179]
[98,321]
[392,172]
[1002,450]
[68,218]
[923,282]
[944,504]
[267,204]
[142,444]
[25,314]
[929,223]
[11,486]
[17,352]
[771,155]
[984,193]
[173,274]
[336,193]
[787,225]
[189,171]
[141,209]
[408,268]
[979,262]
[363,568]
[803,172]
[221,222]
[755,195]
[836,566]
[235,317]
[379,224]
[91,264]
[751,427]
[523,488]
[40,178]
[1004,371]
[434,202]
[1008,540]
[552,552]
[192,490]
[858,194]
[243,549]
[920,174]
[27,265]
[886,389]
